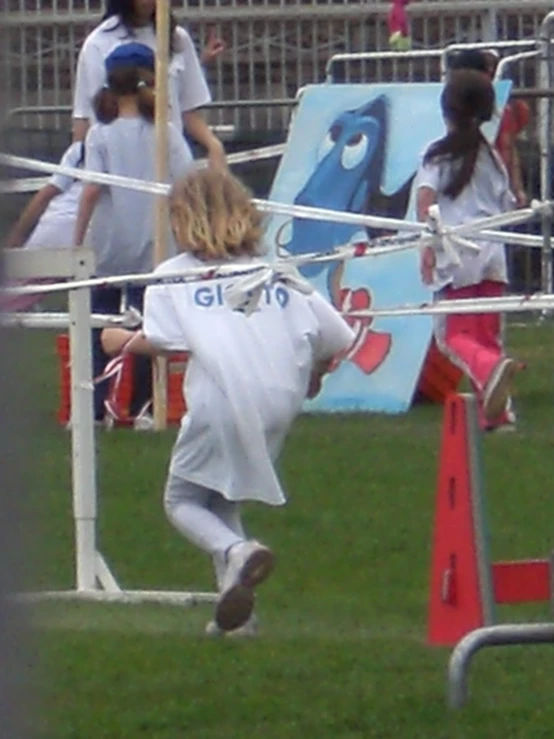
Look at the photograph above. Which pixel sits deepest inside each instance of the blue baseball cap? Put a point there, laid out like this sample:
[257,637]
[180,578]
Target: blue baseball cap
[131,55]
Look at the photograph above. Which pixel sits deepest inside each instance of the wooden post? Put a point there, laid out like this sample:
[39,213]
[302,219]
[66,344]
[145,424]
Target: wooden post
[159,385]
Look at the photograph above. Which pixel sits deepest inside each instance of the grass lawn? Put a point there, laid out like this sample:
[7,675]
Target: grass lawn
[342,652]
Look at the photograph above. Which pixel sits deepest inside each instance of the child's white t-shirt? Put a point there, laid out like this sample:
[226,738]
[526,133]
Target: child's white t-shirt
[121,232]
[247,377]
[187,87]
[55,227]
[487,194]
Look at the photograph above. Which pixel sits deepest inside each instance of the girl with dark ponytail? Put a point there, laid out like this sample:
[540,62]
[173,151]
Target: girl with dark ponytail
[121,232]
[466,178]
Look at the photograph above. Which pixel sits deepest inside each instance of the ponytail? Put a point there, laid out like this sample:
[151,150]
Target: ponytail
[105,105]
[146,101]
[461,147]
[467,101]
[124,81]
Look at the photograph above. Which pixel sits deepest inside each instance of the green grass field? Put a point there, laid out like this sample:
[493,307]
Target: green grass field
[342,650]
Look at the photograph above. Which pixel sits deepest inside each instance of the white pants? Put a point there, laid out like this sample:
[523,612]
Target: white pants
[205,518]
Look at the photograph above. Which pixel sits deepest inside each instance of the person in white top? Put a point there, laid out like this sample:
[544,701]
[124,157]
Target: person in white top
[121,232]
[465,176]
[246,380]
[48,219]
[134,20]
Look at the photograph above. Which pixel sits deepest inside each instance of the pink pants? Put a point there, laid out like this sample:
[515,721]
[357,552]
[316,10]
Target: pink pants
[473,342]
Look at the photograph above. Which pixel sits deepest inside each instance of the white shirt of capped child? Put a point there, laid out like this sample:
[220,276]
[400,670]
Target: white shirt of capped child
[56,225]
[187,84]
[487,194]
[246,379]
[121,231]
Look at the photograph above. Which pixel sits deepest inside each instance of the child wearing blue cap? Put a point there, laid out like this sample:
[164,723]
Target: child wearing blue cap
[188,92]
[121,220]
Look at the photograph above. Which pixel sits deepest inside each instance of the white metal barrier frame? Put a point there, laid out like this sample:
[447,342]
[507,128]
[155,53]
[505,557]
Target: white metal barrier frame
[94,580]
[272,47]
[429,54]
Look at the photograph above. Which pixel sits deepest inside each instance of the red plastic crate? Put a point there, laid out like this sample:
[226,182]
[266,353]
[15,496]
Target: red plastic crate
[176,367]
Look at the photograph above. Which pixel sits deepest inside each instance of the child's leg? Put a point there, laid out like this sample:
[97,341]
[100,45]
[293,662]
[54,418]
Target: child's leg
[458,337]
[491,331]
[229,513]
[461,338]
[188,508]
[106,301]
[142,366]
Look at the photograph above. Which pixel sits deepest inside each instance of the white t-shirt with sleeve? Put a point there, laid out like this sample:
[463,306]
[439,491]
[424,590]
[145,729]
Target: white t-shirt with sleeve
[487,194]
[187,91]
[121,232]
[246,379]
[55,227]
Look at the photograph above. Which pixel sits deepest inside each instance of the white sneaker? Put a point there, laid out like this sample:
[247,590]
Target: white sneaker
[503,428]
[247,631]
[497,390]
[248,564]
[144,422]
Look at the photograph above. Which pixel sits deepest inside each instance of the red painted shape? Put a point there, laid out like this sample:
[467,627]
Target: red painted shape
[521,581]
[455,602]
[370,348]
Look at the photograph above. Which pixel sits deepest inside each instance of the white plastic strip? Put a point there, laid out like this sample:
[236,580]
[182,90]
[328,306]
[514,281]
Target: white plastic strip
[509,304]
[200,274]
[62,320]
[540,302]
[32,184]
[297,211]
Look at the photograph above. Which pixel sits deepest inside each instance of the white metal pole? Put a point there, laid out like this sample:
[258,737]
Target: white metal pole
[82,426]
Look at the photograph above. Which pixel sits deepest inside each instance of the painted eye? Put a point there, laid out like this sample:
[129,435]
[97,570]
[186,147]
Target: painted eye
[283,237]
[329,141]
[354,151]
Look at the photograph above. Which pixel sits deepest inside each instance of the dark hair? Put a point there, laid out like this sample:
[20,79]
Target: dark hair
[468,59]
[126,81]
[467,101]
[124,12]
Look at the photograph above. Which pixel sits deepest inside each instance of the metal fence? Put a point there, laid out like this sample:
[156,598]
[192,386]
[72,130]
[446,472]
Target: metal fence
[273,46]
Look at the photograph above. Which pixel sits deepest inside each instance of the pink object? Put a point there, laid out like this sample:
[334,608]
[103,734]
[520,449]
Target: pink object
[20,303]
[474,341]
[398,19]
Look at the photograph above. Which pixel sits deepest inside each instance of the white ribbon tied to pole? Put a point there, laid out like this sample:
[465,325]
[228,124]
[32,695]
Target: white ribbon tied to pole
[244,295]
[443,238]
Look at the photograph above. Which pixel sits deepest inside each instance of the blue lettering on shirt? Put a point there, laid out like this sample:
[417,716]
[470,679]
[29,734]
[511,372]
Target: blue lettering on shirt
[208,297]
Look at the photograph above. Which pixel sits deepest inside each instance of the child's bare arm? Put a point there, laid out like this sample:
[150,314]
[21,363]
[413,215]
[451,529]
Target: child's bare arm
[318,373]
[426,197]
[87,203]
[114,340]
[31,216]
